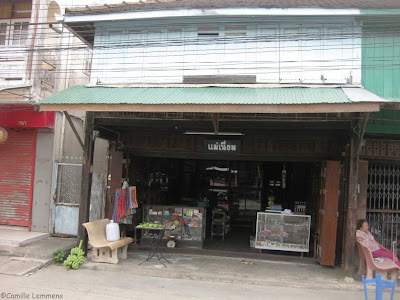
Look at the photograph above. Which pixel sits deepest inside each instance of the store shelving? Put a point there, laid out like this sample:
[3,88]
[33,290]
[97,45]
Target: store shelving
[220,224]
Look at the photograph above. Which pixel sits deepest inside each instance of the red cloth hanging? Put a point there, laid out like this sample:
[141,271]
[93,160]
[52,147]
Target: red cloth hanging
[121,204]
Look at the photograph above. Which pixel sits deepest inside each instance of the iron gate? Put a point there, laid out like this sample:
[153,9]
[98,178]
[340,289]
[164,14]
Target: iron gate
[67,194]
[383,203]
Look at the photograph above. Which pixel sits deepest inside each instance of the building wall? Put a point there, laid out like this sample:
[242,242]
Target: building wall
[387,122]
[51,72]
[61,61]
[42,181]
[276,52]
[381,72]
[381,59]
[381,75]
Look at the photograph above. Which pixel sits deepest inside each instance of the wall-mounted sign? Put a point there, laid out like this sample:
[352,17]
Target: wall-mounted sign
[26,117]
[222,146]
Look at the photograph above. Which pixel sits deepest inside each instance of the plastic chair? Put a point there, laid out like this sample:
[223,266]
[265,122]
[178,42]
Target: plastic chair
[367,260]
[381,285]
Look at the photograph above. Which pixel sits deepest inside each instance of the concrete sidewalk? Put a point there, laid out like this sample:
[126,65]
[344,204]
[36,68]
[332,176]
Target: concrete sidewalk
[230,270]
[28,258]
[208,269]
[188,276]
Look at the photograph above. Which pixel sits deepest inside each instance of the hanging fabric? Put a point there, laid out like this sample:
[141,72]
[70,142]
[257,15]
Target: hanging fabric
[125,204]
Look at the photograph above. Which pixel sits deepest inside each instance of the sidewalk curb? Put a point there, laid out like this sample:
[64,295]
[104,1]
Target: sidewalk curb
[44,265]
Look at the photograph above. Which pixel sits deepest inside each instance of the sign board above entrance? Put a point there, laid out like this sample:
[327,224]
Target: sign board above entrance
[220,146]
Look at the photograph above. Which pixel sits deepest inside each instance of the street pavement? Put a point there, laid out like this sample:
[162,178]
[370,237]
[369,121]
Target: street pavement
[187,277]
[56,282]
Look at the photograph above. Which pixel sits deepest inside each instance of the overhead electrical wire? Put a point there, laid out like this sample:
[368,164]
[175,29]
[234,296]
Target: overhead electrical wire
[209,46]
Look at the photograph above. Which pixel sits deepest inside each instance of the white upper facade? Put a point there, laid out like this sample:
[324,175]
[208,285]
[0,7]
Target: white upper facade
[267,50]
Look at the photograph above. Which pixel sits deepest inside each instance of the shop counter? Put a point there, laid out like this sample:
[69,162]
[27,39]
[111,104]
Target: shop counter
[285,232]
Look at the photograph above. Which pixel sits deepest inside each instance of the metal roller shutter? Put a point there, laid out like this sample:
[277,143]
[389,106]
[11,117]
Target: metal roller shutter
[17,158]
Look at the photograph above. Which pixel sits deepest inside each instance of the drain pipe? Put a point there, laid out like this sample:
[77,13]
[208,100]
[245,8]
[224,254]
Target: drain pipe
[60,153]
[51,26]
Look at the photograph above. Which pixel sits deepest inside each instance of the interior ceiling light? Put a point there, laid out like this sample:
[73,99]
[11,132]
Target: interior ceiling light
[213,133]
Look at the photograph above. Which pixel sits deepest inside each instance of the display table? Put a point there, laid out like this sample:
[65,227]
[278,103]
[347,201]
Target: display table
[276,231]
[155,235]
[187,224]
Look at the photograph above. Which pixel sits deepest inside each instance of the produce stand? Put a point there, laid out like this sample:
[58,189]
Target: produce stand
[155,235]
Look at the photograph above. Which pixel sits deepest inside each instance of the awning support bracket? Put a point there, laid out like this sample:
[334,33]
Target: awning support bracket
[75,131]
[359,130]
[215,121]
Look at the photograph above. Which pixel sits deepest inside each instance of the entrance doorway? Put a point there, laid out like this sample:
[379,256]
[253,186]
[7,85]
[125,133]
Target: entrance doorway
[234,191]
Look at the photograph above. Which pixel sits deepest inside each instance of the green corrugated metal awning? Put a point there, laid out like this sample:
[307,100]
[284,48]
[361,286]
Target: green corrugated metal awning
[202,95]
[121,98]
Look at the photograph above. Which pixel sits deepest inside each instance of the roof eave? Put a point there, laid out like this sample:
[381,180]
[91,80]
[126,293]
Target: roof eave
[195,12]
[220,108]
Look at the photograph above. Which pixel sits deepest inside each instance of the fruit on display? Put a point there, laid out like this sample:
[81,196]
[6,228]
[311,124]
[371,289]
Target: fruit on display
[193,224]
[75,258]
[150,225]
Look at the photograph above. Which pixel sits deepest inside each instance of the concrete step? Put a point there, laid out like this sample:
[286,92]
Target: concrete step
[20,228]
[42,249]
[17,237]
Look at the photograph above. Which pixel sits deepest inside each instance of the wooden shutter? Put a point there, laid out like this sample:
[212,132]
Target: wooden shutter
[17,159]
[328,213]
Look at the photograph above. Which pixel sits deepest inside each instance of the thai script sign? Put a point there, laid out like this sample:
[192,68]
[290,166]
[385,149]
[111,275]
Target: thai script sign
[226,146]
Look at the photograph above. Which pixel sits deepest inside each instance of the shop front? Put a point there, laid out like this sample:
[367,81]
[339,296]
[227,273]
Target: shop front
[254,187]
[249,170]
[17,161]
[382,172]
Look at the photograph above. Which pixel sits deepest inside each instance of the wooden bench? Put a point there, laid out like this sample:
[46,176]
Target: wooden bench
[103,250]
[368,265]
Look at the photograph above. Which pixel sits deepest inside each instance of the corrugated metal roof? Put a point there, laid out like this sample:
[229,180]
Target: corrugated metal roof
[203,95]
[173,4]
[361,95]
